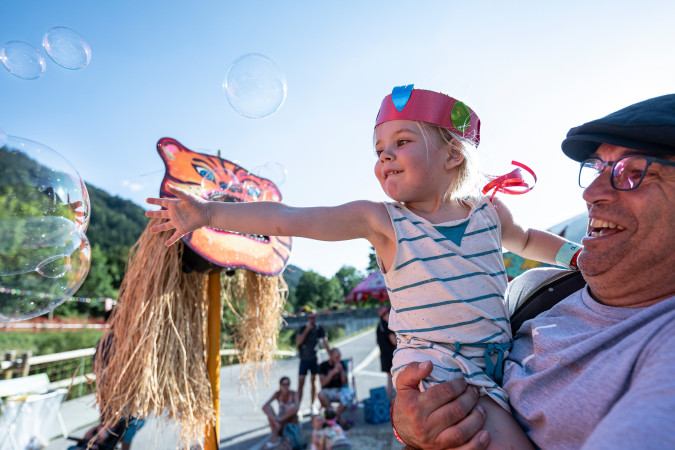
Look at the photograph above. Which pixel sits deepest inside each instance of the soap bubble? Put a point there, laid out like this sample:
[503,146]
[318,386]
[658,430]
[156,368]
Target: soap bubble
[22,60]
[44,213]
[255,86]
[273,171]
[66,48]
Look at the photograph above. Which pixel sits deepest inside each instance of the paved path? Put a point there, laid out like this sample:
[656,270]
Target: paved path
[242,424]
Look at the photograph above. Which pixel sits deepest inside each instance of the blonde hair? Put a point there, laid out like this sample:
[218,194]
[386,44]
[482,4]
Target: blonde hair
[466,185]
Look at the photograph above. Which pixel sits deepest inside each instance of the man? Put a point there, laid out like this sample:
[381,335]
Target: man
[333,377]
[595,371]
[307,340]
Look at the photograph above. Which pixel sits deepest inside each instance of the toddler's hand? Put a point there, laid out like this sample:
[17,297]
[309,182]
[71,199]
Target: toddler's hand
[184,214]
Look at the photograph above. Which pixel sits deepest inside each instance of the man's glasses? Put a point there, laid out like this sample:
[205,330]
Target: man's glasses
[627,171]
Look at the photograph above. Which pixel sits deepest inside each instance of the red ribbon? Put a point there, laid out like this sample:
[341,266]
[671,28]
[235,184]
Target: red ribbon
[511,179]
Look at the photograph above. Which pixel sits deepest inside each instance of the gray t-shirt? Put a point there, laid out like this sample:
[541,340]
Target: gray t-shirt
[587,375]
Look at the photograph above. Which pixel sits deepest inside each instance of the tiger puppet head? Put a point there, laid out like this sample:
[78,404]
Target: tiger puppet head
[214,178]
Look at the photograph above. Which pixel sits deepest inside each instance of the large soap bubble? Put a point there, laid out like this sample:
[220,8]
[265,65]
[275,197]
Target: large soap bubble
[67,48]
[255,86]
[44,213]
[23,60]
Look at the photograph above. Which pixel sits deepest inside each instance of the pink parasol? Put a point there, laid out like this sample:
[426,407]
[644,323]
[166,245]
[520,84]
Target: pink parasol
[372,286]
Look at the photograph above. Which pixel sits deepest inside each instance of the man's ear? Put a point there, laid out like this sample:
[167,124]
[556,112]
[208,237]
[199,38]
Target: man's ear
[455,155]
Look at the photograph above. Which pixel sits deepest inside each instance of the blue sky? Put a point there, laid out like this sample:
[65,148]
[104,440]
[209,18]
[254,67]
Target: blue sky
[531,70]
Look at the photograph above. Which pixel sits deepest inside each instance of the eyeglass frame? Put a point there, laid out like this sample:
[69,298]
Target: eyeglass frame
[612,165]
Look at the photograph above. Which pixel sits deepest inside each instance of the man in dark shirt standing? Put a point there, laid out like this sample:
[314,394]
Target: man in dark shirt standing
[386,340]
[307,340]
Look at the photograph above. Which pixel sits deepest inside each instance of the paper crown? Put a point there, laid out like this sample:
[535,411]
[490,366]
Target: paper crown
[406,103]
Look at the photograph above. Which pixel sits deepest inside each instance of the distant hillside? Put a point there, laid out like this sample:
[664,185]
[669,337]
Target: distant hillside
[115,222]
[115,225]
[292,275]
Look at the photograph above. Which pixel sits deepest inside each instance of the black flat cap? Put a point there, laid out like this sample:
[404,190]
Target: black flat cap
[648,126]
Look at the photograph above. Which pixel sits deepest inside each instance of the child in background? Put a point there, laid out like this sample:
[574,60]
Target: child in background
[438,243]
[328,434]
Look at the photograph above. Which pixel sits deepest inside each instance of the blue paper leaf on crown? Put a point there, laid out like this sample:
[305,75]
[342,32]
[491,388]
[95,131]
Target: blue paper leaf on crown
[400,96]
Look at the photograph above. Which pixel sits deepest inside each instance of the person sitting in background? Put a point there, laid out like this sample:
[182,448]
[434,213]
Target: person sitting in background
[287,410]
[386,340]
[334,385]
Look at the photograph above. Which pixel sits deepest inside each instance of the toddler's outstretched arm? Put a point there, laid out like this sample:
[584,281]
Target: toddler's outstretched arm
[188,212]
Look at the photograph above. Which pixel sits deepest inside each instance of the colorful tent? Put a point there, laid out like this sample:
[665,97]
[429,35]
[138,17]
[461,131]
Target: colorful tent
[371,287]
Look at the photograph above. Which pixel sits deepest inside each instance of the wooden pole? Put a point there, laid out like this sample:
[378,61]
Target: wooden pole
[213,360]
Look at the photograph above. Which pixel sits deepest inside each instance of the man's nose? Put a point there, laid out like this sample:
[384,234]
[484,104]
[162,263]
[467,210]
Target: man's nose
[600,188]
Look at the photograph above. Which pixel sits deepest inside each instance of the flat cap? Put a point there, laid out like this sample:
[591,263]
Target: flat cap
[648,126]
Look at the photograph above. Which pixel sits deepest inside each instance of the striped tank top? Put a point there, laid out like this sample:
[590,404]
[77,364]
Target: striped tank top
[447,281]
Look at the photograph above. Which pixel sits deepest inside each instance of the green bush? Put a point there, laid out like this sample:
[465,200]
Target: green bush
[46,342]
[335,334]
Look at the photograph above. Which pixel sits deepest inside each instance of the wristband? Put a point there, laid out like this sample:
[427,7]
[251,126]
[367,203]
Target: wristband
[396,435]
[568,254]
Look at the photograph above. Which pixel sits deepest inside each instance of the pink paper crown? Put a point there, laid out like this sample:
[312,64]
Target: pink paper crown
[406,103]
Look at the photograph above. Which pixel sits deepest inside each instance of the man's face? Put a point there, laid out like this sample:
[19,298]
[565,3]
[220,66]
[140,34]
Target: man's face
[629,251]
[335,356]
[311,319]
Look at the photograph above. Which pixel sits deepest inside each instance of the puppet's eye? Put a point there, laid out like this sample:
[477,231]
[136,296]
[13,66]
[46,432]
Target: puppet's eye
[254,192]
[204,172]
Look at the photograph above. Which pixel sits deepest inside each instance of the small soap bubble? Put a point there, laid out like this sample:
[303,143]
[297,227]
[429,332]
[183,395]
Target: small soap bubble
[66,48]
[252,191]
[54,266]
[44,213]
[273,171]
[218,184]
[255,86]
[23,60]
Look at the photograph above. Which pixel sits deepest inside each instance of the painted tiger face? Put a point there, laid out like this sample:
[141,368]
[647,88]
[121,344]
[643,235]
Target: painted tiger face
[217,179]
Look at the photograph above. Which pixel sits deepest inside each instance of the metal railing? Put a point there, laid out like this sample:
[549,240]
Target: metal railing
[73,369]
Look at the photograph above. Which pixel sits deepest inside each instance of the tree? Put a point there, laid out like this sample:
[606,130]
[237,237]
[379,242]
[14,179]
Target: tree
[372,261]
[315,291]
[348,277]
[99,280]
[98,284]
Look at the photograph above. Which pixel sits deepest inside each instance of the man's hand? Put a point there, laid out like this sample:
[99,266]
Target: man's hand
[443,416]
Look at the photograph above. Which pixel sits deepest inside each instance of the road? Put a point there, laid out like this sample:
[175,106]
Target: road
[242,424]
